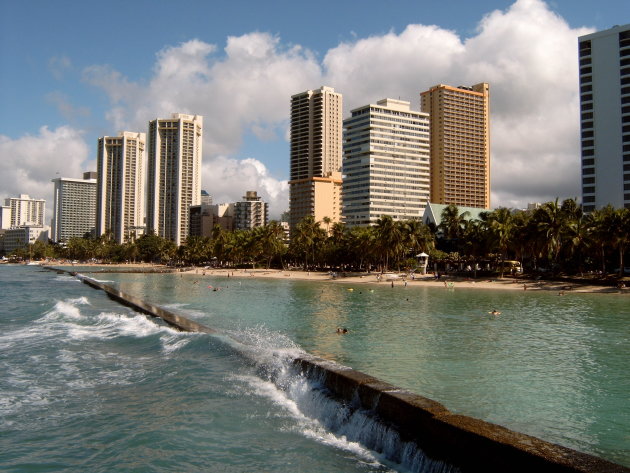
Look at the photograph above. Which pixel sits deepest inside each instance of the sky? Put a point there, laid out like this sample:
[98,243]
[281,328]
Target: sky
[72,71]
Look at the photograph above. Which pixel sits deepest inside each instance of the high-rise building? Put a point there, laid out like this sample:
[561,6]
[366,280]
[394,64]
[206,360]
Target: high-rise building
[174,174]
[25,211]
[386,163]
[206,199]
[605,118]
[460,144]
[74,207]
[120,196]
[5,217]
[316,152]
[250,212]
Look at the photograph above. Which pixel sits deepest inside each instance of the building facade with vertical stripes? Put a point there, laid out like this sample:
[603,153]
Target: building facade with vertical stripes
[460,144]
[120,189]
[174,174]
[605,118]
[316,153]
[74,207]
[386,163]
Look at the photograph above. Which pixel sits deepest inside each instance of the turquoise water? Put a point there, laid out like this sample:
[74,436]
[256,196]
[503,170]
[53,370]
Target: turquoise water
[93,386]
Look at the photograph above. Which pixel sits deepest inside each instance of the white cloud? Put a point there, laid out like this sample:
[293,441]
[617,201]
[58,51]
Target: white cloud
[527,53]
[392,65]
[227,180]
[245,89]
[31,161]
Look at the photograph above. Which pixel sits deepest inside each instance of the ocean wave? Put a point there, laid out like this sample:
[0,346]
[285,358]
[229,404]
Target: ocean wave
[303,424]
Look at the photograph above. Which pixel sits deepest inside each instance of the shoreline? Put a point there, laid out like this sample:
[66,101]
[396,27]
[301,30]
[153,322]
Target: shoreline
[448,282]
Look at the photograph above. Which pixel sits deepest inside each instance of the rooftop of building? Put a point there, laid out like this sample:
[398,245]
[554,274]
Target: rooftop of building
[433,213]
[610,31]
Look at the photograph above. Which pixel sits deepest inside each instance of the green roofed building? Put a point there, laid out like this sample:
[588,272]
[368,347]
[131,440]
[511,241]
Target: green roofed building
[433,213]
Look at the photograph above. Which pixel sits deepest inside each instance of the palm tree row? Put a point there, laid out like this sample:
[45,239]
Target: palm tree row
[555,237]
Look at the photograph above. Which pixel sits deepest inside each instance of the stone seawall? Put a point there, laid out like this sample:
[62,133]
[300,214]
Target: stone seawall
[470,444]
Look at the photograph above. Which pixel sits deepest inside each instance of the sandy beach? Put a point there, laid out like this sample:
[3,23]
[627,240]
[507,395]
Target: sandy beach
[400,280]
[387,279]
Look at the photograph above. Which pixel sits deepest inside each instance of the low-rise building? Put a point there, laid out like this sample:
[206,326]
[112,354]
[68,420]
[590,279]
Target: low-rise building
[203,218]
[23,236]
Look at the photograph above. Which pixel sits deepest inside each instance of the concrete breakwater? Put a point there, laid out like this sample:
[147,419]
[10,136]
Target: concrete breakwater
[464,442]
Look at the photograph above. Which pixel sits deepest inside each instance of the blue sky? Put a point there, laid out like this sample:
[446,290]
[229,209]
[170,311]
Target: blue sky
[83,69]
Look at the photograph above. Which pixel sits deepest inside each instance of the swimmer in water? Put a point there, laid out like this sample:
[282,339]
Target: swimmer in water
[495,312]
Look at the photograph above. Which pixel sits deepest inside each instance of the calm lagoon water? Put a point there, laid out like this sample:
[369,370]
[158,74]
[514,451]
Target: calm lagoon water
[91,385]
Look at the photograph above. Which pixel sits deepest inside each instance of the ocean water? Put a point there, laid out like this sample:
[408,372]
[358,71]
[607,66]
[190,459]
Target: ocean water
[90,385]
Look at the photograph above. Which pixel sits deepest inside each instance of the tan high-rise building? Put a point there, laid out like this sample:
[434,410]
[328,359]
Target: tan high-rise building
[174,174]
[460,144]
[316,139]
[120,187]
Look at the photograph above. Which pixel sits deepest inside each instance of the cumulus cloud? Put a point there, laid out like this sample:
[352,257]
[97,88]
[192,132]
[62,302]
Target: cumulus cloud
[228,179]
[244,89]
[527,53]
[31,161]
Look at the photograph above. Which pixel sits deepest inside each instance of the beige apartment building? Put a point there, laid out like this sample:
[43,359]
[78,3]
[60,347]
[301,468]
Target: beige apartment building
[460,144]
[120,186]
[316,153]
[316,196]
[174,174]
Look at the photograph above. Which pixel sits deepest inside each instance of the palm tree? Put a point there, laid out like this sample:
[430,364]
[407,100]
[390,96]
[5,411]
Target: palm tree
[620,233]
[306,237]
[576,231]
[196,249]
[327,221]
[501,226]
[389,238]
[271,241]
[550,223]
[419,237]
[453,224]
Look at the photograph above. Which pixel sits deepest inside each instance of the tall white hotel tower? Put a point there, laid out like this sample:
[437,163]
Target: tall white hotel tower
[386,163]
[605,118]
[120,191]
[174,174]
[74,207]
